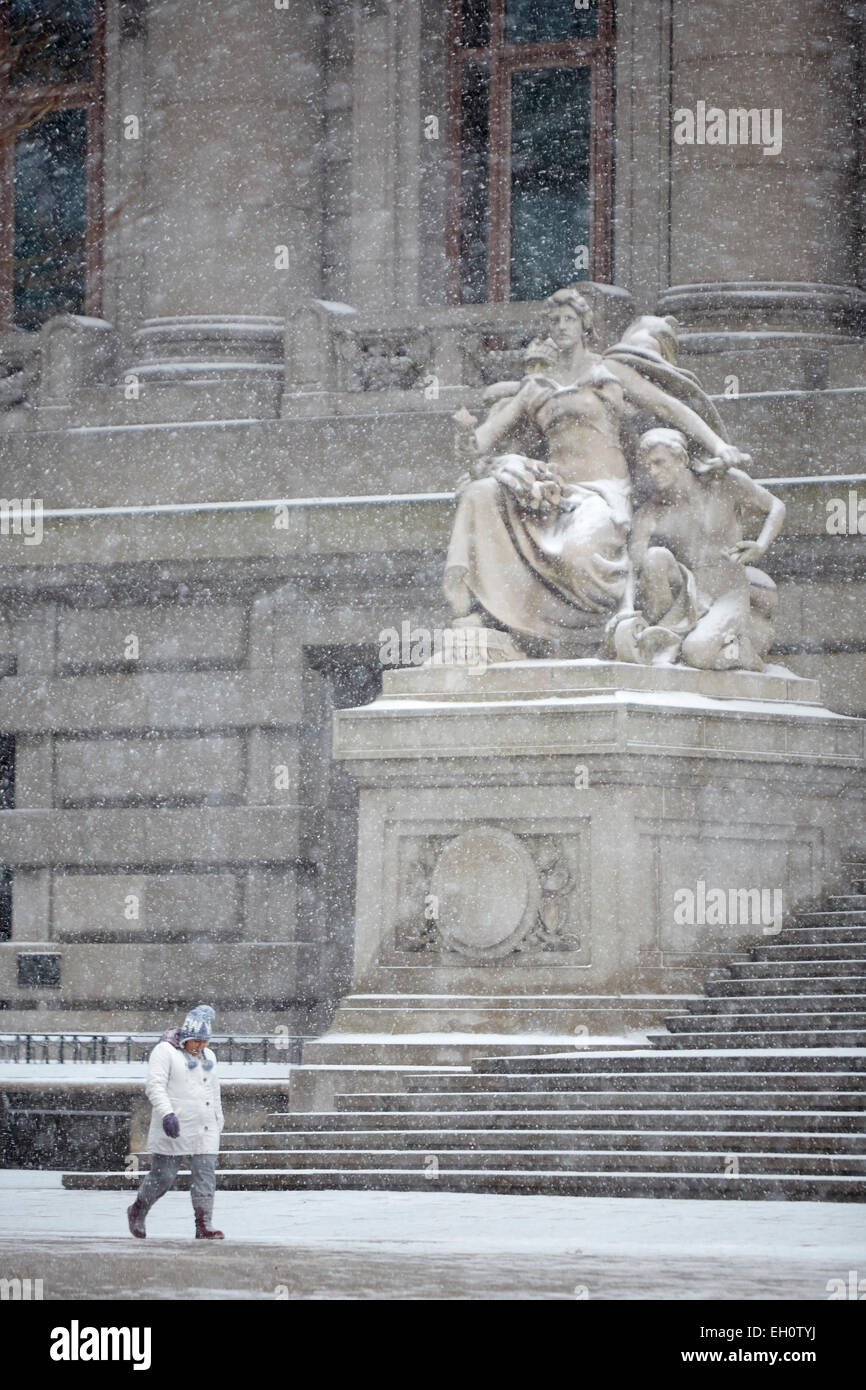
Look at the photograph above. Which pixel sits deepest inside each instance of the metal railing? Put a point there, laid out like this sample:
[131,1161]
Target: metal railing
[136,1047]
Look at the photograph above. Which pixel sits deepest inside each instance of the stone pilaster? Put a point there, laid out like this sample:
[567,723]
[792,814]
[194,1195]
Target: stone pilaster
[230,156]
[386,161]
[766,242]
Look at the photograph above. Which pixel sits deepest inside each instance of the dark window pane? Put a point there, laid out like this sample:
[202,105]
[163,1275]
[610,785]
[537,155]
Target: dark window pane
[475,23]
[474,183]
[50,212]
[7,802]
[550,129]
[542,21]
[7,772]
[5,904]
[39,970]
[51,41]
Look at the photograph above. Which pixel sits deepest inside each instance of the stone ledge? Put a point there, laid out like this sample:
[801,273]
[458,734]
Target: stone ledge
[544,679]
[588,707]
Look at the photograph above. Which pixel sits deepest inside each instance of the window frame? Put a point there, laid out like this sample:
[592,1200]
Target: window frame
[21,102]
[502,59]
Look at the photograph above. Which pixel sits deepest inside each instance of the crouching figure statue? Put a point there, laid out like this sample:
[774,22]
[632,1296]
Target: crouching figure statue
[693,593]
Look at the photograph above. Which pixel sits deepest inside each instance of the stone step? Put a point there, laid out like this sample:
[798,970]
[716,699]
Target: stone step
[587,1140]
[846,902]
[437,1102]
[797,986]
[823,917]
[745,1020]
[402,1050]
[791,1121]
[781,969]
[776,1004]
[802,935]
[554,1160]
[678,1083]
[784,1038]
[800,1060]
[544,1020]
[747,1188]
[788,951]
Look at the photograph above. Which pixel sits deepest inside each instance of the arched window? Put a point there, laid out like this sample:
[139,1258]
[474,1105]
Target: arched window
[51,104]
[530,113]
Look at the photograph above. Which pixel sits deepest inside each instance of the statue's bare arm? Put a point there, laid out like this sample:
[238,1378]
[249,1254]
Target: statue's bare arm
[644,394]
[504,416]
[752,497]
[642,528]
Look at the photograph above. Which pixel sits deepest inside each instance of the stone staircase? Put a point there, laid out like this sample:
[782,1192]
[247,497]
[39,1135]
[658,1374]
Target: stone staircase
[755,1091]
[804,989]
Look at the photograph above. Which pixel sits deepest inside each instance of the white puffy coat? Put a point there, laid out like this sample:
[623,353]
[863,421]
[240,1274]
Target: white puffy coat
[190,1093]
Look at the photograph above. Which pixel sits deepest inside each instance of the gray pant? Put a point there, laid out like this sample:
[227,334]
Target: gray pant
[164,1169]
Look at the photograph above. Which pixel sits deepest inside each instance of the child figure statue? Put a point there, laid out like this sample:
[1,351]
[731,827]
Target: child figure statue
[694,593]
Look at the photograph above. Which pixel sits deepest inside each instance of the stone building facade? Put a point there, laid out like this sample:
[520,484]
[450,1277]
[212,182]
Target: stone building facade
[238,429]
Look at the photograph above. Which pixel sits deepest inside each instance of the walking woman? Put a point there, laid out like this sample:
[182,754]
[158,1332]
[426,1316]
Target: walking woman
[187,1121]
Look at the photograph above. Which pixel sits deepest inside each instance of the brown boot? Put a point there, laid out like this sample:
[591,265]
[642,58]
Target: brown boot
[135,1216]
[202,1228]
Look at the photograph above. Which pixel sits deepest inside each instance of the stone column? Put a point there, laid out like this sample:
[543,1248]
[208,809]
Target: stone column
[386,135]
[641,214]
[766,241]
[232,159]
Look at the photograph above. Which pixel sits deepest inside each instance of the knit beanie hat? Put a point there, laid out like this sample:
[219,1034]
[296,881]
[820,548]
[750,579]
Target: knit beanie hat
[197,1023]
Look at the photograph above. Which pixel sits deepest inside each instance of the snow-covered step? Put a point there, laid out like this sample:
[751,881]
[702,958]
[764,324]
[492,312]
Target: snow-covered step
[790,1038]
[772,1187]
[829,933]
[678,1083]
[825,951]
[826,918]
[540,1159]
[797,986]
[802,1060]
[743,1020]
[793,1121]
[437,1102]
[780,1004]
[817,969]
[425,1050]
[754,1140]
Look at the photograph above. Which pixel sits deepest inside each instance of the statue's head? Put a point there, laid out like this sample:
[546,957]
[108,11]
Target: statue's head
[665,456]
[569,319]
[654,334]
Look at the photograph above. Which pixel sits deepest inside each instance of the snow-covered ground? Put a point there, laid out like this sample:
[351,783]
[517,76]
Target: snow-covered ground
[427,1246]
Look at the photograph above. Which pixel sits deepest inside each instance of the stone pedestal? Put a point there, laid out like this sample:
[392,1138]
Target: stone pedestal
[563,847]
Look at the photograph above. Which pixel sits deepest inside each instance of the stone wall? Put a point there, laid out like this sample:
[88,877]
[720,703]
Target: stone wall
[191,782]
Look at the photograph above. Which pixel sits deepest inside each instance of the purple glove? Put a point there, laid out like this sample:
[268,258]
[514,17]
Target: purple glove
[171,1125]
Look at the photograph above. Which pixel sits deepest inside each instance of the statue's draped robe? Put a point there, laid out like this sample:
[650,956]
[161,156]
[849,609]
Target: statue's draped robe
[546,576]
[668,377]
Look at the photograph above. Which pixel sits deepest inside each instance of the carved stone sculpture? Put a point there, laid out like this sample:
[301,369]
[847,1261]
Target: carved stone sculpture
[700,597]
[540,551]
